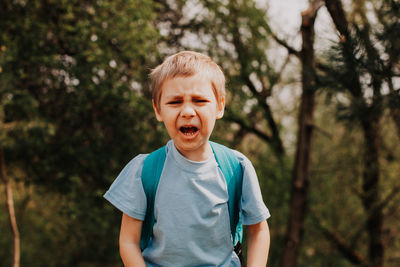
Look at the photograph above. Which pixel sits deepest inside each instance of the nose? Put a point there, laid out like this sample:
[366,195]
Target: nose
[188,111]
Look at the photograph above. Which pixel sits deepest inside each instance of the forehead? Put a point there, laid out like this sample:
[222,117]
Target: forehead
[193,85]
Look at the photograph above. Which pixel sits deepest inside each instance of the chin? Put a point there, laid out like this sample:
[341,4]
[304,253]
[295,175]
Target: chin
[190,145]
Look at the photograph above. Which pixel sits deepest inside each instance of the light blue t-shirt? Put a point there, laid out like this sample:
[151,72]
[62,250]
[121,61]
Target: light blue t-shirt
[192,219]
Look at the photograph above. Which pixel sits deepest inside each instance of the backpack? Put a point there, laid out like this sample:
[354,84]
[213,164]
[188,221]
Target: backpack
[232,171]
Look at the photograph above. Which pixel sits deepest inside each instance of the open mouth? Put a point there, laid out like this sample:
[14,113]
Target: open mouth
[189,130]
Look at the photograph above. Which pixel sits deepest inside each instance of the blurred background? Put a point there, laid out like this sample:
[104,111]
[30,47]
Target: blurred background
[313,100]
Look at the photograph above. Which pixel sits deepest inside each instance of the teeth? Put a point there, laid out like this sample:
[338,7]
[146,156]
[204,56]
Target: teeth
[188,131]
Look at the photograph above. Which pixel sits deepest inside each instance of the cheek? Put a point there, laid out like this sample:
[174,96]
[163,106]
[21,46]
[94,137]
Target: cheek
[208,119]
[171,129]
[171,120]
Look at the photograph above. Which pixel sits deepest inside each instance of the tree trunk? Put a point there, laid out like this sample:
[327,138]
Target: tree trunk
[394,105]
[395,112]
[371,197]
[299,191]
[11,211]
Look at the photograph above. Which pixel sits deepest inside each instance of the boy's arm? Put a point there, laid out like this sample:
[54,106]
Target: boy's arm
[129,242]
[258,244]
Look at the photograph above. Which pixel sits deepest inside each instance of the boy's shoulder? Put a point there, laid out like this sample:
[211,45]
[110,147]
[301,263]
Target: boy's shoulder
[243,159]
[136,163]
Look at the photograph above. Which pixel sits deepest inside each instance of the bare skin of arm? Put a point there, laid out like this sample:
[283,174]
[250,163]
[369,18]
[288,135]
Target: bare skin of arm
[129,242]
[258,244]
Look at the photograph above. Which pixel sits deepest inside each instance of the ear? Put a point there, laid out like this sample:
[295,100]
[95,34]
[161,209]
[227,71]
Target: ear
[158,115]
[221,108]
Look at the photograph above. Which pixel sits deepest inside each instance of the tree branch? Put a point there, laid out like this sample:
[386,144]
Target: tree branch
[395,191]
[347,251]
[275,141]
[11,211]
[340,244]
[283,43]
[248,128]
[336,11]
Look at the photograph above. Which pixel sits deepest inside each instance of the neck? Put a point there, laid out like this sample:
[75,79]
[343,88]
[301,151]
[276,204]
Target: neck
[200,154]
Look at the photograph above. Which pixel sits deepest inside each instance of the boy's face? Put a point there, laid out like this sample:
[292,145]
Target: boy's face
[188,107]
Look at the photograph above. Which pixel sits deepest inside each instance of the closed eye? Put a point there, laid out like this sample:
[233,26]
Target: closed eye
[174,102]
[200,100]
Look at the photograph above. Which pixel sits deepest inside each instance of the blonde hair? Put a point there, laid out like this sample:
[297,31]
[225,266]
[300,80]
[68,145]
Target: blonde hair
[187,64]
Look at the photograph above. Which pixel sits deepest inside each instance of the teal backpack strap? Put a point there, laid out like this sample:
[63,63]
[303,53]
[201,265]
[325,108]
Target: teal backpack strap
[151,173]
[233,173]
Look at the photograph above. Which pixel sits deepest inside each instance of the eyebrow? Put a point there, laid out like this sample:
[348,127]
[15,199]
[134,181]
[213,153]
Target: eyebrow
[192,96]
[173,97]
[200,97]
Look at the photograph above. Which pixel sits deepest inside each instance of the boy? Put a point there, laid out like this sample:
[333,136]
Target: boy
[192,226]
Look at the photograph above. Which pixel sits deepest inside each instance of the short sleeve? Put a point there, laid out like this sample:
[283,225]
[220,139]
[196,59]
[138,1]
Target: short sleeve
[252,205]
[126,192]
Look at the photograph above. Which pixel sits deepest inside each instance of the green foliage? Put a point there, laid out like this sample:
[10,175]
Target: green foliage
[74,110]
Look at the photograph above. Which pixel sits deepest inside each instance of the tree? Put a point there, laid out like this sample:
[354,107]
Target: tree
[301,173]
[362,71]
